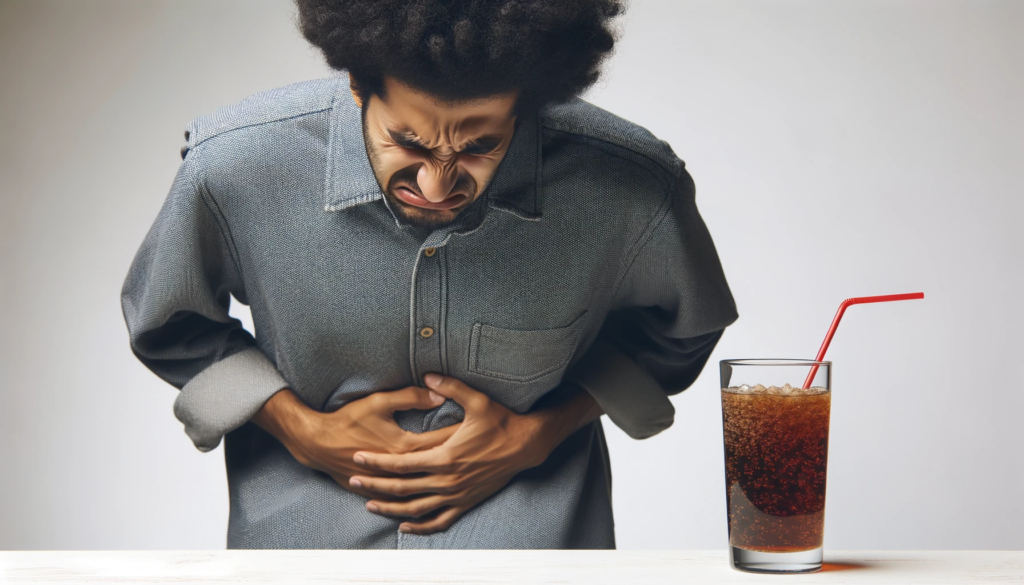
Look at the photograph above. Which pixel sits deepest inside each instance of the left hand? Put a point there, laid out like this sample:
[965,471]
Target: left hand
[491,446]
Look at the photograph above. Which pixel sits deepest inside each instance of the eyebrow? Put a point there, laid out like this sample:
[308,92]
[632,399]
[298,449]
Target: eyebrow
[408,139]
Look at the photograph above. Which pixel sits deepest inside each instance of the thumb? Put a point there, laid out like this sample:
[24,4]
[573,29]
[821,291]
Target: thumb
[408,398]
[455,389]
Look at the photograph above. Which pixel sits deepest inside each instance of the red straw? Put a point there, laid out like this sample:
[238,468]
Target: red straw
[839,316]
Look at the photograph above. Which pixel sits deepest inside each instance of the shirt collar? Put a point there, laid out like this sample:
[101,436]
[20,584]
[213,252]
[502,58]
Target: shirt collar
[350,181]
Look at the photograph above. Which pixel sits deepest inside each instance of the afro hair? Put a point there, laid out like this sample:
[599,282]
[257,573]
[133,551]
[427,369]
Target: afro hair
[548,50]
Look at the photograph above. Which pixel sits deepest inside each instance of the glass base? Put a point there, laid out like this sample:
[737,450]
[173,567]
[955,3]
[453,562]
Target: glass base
[805,561]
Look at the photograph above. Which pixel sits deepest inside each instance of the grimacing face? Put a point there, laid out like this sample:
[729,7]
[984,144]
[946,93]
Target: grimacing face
[433,158]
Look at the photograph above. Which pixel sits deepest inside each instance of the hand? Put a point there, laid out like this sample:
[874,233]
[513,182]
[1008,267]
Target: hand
[327,441]
[490,446]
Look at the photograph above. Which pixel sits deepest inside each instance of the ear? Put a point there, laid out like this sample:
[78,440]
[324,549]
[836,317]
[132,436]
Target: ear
[353,87]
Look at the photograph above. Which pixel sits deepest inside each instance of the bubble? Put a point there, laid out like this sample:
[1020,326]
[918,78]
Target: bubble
[784,390]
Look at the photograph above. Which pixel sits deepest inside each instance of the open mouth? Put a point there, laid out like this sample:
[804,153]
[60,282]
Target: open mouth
[410,197]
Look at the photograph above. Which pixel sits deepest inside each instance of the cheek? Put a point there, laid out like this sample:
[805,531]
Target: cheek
[392,160]
[480,168]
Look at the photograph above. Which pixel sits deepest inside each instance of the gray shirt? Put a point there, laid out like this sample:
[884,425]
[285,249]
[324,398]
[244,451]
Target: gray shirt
[584,263]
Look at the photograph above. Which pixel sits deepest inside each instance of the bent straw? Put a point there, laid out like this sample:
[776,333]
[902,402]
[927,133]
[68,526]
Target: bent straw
[839,315]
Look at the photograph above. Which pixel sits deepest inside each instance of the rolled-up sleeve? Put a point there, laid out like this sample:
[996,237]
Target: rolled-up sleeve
[175,301]
[671,307]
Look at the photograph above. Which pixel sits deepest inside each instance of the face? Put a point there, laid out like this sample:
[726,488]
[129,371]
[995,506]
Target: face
[433,158]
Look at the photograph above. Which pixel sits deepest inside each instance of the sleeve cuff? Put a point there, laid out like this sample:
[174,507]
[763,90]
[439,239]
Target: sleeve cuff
[631,397]
[226,395]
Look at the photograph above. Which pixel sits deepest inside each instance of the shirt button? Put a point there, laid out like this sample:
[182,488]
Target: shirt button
[430,251]
[426,332]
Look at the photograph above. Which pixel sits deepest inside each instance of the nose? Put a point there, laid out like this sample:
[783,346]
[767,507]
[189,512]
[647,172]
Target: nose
[438,182]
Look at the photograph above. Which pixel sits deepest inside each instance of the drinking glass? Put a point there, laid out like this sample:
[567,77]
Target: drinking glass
[776,451]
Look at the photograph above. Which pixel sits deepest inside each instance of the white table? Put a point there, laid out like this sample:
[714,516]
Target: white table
[449,567]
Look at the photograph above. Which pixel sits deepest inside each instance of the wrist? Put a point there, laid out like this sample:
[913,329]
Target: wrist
[289,421]
[540,437]
[559,417]
[550,429]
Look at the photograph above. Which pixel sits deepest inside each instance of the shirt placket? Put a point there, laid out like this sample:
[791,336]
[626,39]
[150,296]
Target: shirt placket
[427,318]
[427,327]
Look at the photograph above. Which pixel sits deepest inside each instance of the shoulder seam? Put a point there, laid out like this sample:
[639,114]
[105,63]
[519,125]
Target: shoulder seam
[667,203]
[586,138]
[260,123]
[214,208]
[288,102]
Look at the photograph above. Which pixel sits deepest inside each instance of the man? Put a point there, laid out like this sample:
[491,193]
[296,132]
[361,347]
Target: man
[454,268]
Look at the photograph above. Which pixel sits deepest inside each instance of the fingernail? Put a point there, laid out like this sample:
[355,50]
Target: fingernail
[405,529]
[355,482]
[359,459]
[432,380]
[434,396]
[372,507]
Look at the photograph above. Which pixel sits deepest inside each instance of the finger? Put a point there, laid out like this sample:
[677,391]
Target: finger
[432,460]
[458,391]
[409,398]
[408,509]
[436,524]
[399,486]
[429,439]
[346,483]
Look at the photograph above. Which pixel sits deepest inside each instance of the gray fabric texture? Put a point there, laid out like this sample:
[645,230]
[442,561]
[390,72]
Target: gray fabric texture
[584,262]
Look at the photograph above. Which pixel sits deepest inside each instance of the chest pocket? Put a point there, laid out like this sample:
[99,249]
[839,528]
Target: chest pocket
[523,356]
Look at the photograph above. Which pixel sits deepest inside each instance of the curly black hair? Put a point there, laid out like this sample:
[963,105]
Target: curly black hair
[548,50]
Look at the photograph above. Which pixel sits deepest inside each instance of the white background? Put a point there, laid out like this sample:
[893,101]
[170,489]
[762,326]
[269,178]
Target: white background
[839,148]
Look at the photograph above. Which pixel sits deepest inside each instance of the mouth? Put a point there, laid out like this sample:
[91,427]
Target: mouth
[410,197]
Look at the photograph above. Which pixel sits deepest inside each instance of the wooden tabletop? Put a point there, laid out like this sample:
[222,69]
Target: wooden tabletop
[448,567]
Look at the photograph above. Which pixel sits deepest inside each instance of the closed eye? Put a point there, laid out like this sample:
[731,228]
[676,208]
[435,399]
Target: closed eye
[406,140]
[482,146]
[479,147]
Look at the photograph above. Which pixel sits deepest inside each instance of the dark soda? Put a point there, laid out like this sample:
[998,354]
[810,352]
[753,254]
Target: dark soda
[776,451]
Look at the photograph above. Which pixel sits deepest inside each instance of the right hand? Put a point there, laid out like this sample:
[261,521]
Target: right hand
[326,441]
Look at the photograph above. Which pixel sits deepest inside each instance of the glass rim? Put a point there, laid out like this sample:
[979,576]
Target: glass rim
[775,362]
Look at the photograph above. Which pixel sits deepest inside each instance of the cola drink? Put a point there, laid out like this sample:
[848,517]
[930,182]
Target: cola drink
[776,450]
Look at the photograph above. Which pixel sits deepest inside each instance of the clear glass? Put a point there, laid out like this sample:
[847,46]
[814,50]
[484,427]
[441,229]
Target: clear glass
[776,455]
